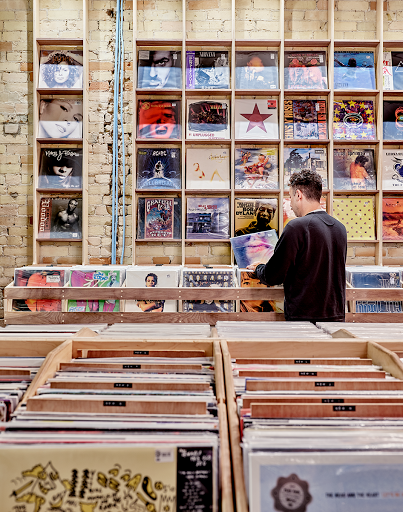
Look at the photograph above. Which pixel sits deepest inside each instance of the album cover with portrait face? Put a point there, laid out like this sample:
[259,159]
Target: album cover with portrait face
[61,69]
[60,168]
[159,69]
[60,118]
[60,217]
[159,119]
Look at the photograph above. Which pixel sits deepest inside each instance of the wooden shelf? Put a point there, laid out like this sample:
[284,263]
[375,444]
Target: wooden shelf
[307,92]
[258,43]
[59,92]
[355,93]
[340,43]
[257,92]
[309,43]
[205,93]
[59,42]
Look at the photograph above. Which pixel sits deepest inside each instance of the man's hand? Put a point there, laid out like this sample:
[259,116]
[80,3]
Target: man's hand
[253,266]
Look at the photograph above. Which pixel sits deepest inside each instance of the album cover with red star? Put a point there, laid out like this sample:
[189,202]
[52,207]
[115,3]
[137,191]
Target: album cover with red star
[256,119]
[353,120]
[393,120]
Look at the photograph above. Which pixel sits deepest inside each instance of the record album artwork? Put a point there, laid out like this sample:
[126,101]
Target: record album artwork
[296,159]
[158,221]
[208,120]
[305,70]
[158,168]
[255,214]
[159,69]
[392,172]
[256,70]
[353,169]
[60,118]
[207,70]
[60,168]
[288,213]
[353,120]
[392,218]
[61,69]
[207,218]
[256,168]
[159,119]
[393,71]
[256,119]
[246,280]
[254,247]
[358,216]
[207,168]
[393,120]
[305,119]
[60,217]
[354,70]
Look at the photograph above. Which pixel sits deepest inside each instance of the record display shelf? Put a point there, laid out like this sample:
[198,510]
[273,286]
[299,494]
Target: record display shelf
[88,347]
[284,391]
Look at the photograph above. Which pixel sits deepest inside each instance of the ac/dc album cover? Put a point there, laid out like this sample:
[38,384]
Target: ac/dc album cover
[354,70]
[159,69]
[90,277]
[392,172]
[207,168]
[254,247]
[60,118]
[256,168]
[305,119]
[353,120]
[208,120]
[159,168]
[353,169]
[256,119]
[256,70]
[61,69]
[296,159]
[207,218]
[392,218]
[358,216]
[39,276]
[158,221]
[207,70]
[60,217]
[60,168]
[305,70]
[255,214]
[159,119]
[393,120]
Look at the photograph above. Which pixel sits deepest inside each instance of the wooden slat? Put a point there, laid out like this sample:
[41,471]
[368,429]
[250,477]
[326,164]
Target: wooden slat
[129,384]
[306,399]
[219,373]
[385,358]
[303,374]
[324,385]
[227,503]
[27,347]
[127,367]
[145,353]
[310,361]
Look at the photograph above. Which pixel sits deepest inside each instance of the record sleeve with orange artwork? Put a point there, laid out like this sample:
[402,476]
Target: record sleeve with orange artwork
[253,306]
[392,218]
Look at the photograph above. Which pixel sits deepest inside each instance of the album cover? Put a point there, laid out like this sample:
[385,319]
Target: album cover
[374,277]
[393,71]
[353,120]
[305,119]
[393,120]
[256,119]
[354,70]
[353,169]
[208,120]
[207,70]
[60,118]
[159,119]
[158,220]
[258,305]
[256,70]
[392,173]
[288,213]
[358,216]
[392,218]
[207,168]
[39,276]
[207,218]
[61,69]
[159,69]
[305,70]
[378,306]
[255,214]
[159,168]
[60,217]
[152,277]
[387,71]
[254,247]
[208,278]
[60,168]
[89,277]
[296,159]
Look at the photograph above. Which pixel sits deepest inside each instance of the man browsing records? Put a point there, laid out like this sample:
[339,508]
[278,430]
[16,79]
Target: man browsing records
[310,256]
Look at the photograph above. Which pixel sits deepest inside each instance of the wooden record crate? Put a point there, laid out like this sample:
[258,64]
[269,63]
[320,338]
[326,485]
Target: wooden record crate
[384,354]
[80,345]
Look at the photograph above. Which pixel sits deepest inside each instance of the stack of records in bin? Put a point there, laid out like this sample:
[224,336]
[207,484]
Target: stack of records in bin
[202,277]
[372,331]
[48,330]
[16,374]
[130,432]
[166,276]
[268,330]
[159,330]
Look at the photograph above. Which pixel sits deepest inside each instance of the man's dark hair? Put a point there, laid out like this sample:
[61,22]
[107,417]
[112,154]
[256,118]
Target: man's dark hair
[308,182]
